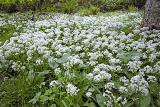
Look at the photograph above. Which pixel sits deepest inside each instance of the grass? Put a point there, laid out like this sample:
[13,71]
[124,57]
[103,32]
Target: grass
[6,32]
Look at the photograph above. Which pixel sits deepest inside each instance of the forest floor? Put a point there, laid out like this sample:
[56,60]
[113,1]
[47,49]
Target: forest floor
[71,60]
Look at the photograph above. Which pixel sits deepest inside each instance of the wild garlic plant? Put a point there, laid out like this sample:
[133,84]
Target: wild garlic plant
[86,61]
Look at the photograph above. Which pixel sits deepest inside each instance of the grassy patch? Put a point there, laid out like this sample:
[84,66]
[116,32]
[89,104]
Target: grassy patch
[6,32]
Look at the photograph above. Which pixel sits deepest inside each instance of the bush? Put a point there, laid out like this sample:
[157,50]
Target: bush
[17,1]
[92,10]
[49,8]
[132,8]
[69,6]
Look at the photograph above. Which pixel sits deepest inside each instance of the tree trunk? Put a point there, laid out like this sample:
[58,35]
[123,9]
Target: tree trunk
[152,14]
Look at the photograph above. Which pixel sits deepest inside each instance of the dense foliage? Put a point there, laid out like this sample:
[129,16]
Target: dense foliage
[67,6]
[60,60]
[16,1]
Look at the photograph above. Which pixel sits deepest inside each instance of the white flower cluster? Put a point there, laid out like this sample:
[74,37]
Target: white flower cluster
[2,22]
[74,60]
[91,47]
[134,65]
[71,89]
[53,83]
[138,83]
[99,73]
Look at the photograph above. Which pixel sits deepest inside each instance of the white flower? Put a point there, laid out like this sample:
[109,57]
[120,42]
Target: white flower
[124,80]
[90,76]
[57,71]
[123,89]
[124,101]
[88,94]
[114,61]
[23,68]
[74,60]
[78,48]
[136,31]
[134,65]
[53,83]
[71,89]
[151,79]
[105,75]
[147,69]
[138,83]
[92,63]
[96,70]
[97,78]
[157,67]
[109,86]
[39,62]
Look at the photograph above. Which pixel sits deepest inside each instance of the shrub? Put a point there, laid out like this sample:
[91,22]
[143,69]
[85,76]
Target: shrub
[69,6]
[92,10]
[132,8]
[49,8]
[17,1]
[84,12]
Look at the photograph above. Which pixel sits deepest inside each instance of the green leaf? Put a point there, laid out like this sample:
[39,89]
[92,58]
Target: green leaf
[129,104]
[53,65]
[96,89]
[145,101]
[92,104]
[64,58]
[126,56]
[52,97]
[36,98]
[43,73]
[86,104]
[65,105]
[48,92]
[100,100]
[53,105]
[43,98]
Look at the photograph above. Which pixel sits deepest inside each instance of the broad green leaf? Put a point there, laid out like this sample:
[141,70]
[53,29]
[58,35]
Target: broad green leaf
[100,100]
[92,104]
[36,98]
[126,56]
[53,65]
[96,89]
[53,105]
[43,73]
[48,92]
[64,58]
[52,97]
[86,104]
[145,101]
[43,98]
[65,105]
